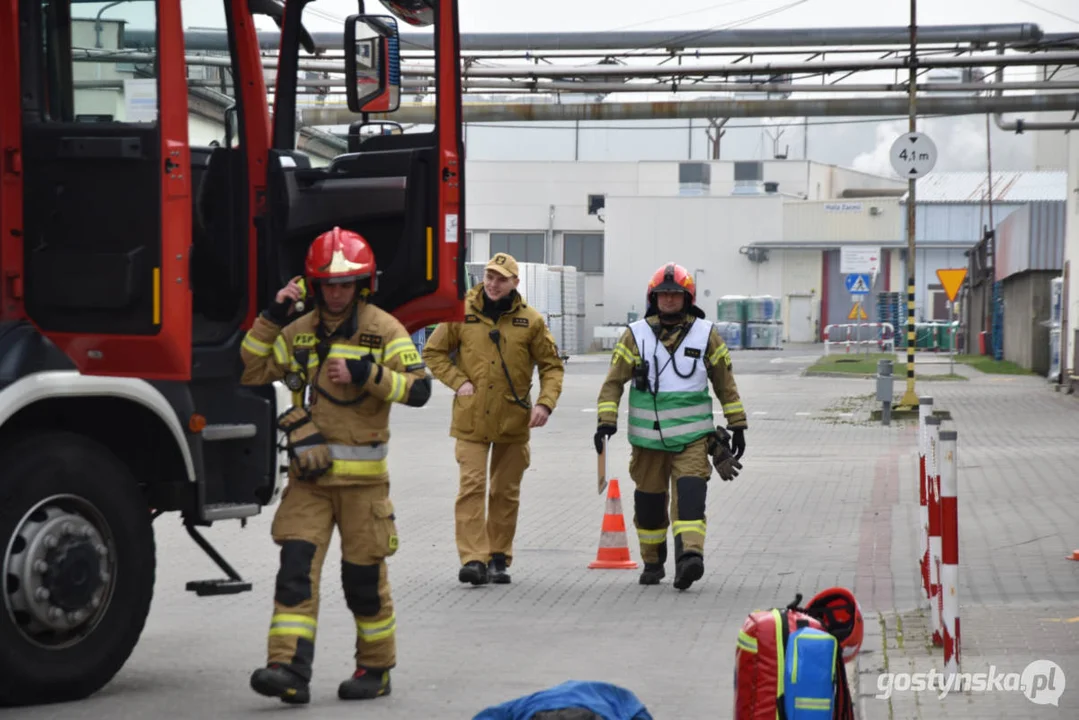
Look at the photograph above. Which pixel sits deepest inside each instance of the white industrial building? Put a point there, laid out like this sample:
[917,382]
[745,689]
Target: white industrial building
[1069,351]
[618,222]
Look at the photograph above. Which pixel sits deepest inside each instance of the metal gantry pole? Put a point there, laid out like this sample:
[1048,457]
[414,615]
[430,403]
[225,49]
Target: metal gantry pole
[910,398]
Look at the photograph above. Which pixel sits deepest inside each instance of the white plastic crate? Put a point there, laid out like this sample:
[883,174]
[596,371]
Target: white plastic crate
[554,290]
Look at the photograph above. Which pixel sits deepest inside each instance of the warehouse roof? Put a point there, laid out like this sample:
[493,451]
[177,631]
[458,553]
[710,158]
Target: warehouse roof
[1009,187]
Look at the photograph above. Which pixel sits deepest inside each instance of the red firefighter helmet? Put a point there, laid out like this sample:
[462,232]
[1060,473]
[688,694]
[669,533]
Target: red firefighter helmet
[672,278]
[341,256]
[838,612]
[419,13]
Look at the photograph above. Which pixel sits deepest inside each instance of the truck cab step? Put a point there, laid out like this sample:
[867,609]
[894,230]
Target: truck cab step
[229,431]
[222,586]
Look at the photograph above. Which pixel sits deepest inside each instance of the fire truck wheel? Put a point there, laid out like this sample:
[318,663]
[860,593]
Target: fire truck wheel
[78,567]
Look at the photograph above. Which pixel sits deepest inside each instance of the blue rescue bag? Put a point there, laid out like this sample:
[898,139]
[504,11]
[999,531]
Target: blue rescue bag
[812,660]
[575,699]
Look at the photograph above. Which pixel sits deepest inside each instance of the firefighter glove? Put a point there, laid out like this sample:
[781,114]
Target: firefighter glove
[360,369]
[601,431]
[738,443]
[308,453]
[278,313]
[723,459]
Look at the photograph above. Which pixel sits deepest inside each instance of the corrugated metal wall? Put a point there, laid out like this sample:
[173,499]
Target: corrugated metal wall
[952,223]
[1026,310]
[1047,235]
[1031,238]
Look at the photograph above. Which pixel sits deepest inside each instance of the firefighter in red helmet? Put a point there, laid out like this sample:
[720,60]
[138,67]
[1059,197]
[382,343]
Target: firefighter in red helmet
[346,362]
[671,356]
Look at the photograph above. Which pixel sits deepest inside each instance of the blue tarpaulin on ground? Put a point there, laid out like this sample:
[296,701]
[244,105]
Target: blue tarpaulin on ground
[608,701]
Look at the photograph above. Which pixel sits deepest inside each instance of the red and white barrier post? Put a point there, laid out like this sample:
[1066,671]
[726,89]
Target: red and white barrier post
[925,410]
[932,484]
[949,556]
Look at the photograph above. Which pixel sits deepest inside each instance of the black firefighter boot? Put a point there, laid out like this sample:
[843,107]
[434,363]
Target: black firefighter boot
[652,573]
[276,680]
[497,569]
[474,572]
[365,684]
[688,569]
[655,571]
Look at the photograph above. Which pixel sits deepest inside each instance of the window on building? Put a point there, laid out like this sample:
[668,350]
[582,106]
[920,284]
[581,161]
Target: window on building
[583,251]
[524,247]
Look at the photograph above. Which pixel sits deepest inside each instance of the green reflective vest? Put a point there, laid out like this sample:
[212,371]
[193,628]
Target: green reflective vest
[678,411]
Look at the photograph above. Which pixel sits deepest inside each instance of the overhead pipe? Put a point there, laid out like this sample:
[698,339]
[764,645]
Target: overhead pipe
[1020,125]
[585,112]
[1027,33]
[623,71]
[534,88]
[824,66]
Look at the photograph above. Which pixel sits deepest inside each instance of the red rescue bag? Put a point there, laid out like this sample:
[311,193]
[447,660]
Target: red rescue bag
[762,670]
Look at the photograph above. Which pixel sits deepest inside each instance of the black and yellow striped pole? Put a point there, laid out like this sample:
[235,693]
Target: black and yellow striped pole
[910,398]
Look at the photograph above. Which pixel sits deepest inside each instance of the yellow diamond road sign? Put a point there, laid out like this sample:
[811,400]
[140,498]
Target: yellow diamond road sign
[952,280]
[857,312]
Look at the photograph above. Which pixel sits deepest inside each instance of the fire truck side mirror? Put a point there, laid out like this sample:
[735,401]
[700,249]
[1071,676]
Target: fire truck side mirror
[372,64]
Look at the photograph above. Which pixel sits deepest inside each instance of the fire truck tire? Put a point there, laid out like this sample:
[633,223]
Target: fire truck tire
[78,567]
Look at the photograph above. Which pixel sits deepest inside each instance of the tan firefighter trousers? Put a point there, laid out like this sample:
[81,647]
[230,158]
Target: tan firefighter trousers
[303,527]
[478,533]
[684,476]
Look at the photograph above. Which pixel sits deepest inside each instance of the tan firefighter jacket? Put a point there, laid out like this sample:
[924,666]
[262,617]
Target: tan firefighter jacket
[357,431]
[492,414]
[626,357]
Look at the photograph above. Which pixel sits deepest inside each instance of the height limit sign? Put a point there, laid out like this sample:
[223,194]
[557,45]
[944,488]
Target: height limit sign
[913,155]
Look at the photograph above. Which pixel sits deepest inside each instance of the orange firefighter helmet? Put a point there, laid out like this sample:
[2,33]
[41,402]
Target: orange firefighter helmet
[838,612]
[341,256]
[672,278]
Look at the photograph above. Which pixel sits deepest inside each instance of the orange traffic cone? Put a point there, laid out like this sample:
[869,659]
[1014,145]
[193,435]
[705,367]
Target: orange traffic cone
[613,553]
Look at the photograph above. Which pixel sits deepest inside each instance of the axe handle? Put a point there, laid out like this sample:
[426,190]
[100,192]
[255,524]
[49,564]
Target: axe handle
[601,468]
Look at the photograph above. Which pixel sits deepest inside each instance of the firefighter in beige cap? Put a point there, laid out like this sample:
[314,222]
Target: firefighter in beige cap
[488,361]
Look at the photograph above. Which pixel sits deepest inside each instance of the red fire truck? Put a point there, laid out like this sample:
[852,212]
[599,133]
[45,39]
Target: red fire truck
[136,247]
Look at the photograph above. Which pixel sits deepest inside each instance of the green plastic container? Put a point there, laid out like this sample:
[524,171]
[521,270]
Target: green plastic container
[731,308]
[944,337]
[924,336]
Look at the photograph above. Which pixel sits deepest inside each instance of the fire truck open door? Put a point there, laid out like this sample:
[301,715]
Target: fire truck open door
[403,192]
[106,184]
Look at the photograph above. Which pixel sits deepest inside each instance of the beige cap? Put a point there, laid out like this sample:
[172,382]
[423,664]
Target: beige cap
[504,264]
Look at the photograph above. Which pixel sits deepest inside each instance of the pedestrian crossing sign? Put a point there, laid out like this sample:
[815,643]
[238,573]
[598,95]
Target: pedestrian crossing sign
[858,284]
[857,312]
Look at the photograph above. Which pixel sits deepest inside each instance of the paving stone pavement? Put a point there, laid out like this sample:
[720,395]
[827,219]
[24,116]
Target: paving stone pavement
[824,500]
[1018,450]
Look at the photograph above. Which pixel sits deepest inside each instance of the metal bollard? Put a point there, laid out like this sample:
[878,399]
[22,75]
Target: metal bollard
[885,383]
[932,482]
[949,553]
[925,410]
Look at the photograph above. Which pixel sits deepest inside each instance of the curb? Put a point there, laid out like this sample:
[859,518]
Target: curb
[870,663]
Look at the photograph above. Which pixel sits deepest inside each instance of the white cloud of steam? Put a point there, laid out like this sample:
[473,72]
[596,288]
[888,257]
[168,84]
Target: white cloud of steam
[960,145]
